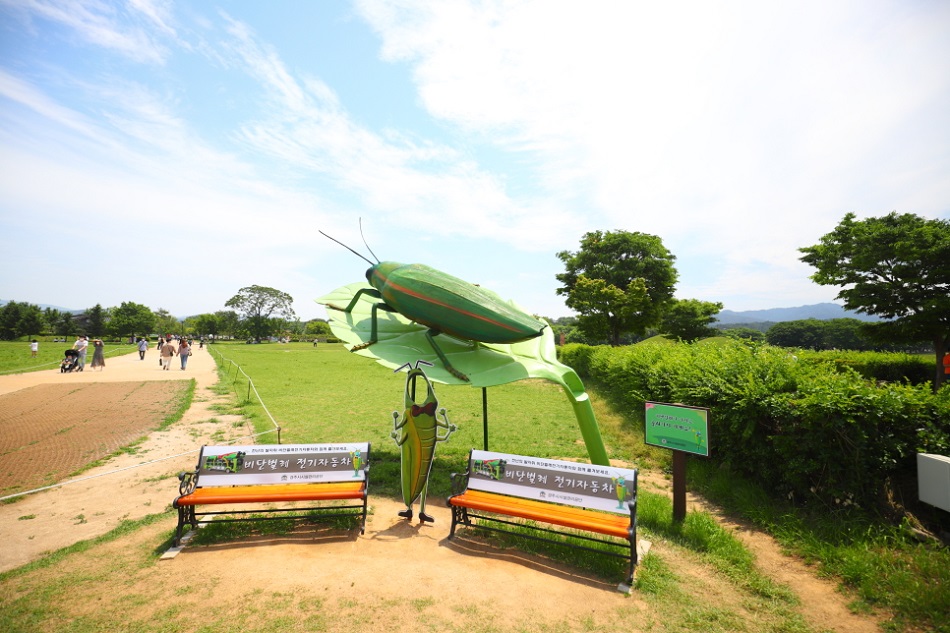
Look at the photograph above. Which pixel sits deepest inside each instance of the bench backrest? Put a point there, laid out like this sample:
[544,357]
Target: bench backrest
[281,464]
[572,483]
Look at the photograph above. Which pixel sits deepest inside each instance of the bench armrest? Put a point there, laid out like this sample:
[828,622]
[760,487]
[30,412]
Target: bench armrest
[189,480]
[459,482]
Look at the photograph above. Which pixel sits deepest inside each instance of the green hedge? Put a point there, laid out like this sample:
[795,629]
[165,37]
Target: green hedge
[808,430]
[882,366]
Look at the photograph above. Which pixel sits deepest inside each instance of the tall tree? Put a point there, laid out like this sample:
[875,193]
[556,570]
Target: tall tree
[896,267]
[130,319]
[53,318]
[804,333]
[67,325]
[318,327]
[690,319]
[229,322]
[96,319]
[618,282]
[9,318]
[259,304]
[20,319]
[31,320]
[166,323]
[204,324]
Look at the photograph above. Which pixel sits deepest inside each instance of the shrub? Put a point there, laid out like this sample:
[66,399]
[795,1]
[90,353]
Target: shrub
[881,366]
[808,427]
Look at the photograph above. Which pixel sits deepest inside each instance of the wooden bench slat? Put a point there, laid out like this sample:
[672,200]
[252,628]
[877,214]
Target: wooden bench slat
[273,493]
[564,516]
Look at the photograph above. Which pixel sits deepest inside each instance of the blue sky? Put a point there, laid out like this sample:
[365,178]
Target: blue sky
[172,152]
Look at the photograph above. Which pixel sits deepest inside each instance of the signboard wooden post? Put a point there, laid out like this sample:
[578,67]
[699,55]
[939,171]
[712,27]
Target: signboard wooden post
[684,430]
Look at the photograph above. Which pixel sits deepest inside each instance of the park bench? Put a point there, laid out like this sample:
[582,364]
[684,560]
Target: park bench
[251,480]
[596,500]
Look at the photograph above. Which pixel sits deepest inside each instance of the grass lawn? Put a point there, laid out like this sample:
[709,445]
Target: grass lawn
[15,356]
[326,394]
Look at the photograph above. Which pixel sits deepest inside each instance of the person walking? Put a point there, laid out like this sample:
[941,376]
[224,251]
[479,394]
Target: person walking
[167,351]
[98,354]
[80,346]
[143,346]
[184,351]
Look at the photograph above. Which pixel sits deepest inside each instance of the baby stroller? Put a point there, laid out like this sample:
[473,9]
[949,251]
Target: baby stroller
[71,361]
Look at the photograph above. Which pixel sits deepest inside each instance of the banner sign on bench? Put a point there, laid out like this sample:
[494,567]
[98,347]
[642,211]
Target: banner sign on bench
[281,464]
[585,485]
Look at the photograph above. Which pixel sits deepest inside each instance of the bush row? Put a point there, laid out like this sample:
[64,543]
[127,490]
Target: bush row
[881,366]
[807,430]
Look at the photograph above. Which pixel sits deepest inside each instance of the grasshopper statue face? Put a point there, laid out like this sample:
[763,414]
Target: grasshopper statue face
[416,434]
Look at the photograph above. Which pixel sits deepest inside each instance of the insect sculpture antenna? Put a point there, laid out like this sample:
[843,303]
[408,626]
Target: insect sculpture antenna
[364,242]
[349,249]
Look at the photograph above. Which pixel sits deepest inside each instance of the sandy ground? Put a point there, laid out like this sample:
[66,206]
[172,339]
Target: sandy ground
[128,486]
[391,560]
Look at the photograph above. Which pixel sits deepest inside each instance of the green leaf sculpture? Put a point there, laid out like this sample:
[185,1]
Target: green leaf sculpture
[401,341]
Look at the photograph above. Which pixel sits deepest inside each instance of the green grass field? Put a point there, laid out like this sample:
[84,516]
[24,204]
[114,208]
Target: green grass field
[15,356]
[327,394]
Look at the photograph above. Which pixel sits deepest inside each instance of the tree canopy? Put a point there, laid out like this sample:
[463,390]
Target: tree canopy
[130,319]
[259,304]
[19,319]
[690,319]
[618,282]
[896,267]
[96,320]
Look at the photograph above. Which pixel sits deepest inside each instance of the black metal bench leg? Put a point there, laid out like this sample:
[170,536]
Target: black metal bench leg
[363,523]
[181,524]
[633,562]
[455,520]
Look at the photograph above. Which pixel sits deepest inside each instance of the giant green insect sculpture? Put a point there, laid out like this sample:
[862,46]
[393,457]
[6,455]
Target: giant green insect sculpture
[483,340]
[416,435]
[443,303]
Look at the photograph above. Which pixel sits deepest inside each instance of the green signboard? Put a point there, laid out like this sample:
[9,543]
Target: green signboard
[678,427]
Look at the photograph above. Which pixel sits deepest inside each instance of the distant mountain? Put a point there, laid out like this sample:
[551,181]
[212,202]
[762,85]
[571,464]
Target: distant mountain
[41,306]
[820,311]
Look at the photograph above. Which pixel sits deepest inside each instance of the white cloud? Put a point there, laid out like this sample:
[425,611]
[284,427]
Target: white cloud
[737,132]
[104,25]
[736,129]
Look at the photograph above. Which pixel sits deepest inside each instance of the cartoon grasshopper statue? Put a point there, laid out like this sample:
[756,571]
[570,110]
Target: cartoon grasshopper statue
[417,435]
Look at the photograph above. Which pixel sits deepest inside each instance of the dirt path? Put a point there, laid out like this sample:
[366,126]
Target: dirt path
[128,486]
[394,563]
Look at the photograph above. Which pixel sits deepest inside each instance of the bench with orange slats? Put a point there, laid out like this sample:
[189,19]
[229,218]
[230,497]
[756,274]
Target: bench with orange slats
[271,476]
[586,498]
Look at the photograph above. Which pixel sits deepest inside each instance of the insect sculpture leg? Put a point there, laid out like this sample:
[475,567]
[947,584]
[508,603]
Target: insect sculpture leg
[430,336]
[349,307]
[373,333]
